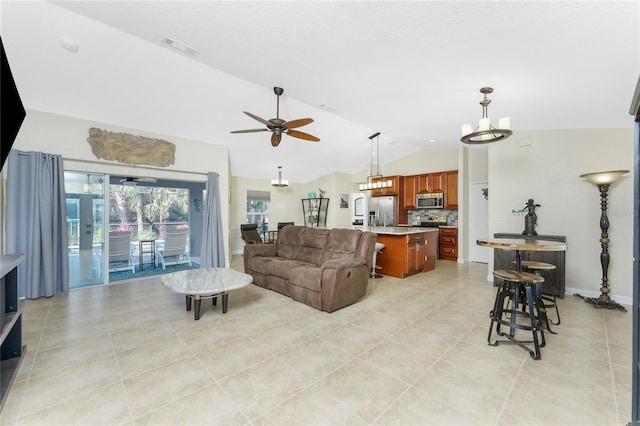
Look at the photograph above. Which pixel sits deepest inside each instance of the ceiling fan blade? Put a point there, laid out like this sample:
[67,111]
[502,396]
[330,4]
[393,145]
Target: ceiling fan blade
[297,123]
[255,117]
[249,130]
[302,135]
[275,139]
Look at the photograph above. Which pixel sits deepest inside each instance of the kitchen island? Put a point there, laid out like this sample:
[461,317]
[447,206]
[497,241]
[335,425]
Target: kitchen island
[407,251]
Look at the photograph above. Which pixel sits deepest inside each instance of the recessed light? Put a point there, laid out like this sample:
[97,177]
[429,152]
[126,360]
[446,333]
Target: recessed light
[69,45]
[184,48]
[432,140]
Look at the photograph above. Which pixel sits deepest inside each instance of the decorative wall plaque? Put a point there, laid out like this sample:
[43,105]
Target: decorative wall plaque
[130,149]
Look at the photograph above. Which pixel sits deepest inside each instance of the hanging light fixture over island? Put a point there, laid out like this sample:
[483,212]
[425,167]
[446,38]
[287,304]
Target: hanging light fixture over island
[379,183]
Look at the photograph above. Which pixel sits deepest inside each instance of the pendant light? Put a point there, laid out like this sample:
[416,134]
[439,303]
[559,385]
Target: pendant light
[485,132]
[375,160]
[280,183]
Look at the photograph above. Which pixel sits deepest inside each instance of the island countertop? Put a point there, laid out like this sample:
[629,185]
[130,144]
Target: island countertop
[398,230]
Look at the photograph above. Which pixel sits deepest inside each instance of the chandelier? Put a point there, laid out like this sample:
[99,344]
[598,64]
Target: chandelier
[375,174]
[485,132]
[279,182]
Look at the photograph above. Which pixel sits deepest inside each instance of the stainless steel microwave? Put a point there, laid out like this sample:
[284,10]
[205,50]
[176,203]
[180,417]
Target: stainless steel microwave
[434,200]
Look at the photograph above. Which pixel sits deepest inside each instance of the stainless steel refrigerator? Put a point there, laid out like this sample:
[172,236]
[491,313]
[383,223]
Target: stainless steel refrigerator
[383,211]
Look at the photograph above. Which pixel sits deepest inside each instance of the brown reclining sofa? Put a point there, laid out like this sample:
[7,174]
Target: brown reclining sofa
[323,268]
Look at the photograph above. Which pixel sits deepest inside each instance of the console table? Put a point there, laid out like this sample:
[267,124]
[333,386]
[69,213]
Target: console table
[11,349]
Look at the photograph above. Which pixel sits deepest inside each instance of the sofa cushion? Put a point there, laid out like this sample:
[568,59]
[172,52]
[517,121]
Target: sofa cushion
[288,241]
[341,243]
[283,268]
[312,242]
[309,277]
[260,263]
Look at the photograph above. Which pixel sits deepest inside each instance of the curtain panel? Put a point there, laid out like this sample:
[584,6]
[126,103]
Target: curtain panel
[212,252]
[36,222]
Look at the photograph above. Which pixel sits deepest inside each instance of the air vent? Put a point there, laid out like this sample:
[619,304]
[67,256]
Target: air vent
[179,46]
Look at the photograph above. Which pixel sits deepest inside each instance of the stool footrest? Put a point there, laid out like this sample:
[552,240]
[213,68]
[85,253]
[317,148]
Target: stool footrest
[515,291]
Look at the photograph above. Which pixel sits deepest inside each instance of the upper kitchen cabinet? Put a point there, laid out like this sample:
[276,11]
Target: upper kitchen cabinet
[394,189]
[451,189]
[432,182]
[409,199]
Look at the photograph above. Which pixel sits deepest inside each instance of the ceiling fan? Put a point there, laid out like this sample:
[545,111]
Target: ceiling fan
[279,126]
[134,180]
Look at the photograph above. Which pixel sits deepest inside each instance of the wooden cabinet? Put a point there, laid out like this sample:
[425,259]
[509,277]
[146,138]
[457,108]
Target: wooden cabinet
[416,253]
[448,243]
[406,255]
[422,184]
[393,190]
[436,181]
[431,182]
[11,349]
[451,189]
[409,199]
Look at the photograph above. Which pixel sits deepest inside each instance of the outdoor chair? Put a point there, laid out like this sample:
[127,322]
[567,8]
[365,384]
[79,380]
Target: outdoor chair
[120,258]
[174,251]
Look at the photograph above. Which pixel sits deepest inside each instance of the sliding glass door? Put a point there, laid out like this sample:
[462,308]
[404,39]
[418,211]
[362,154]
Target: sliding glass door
[85,227]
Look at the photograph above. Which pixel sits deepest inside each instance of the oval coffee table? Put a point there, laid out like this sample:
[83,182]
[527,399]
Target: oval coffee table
[206,283]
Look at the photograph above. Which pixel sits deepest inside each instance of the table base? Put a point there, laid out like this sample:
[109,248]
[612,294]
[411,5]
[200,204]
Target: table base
[603,301]
[197,298]
[506,311]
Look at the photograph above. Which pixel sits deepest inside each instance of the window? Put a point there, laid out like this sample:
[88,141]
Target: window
[258,209]
[148,211]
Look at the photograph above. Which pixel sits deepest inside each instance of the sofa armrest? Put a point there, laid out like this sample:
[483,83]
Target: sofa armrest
[251,250]
[350,262]
[344,281]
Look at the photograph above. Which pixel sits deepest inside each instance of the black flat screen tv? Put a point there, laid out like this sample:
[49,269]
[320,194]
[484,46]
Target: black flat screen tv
[12,111]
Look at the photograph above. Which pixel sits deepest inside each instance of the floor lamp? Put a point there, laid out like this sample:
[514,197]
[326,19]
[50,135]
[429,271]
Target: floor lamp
[603,180]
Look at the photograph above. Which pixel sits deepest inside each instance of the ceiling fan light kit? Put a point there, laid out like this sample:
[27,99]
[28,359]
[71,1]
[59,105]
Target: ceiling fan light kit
[133,181]
[279,183]
[278,126]
[485,132]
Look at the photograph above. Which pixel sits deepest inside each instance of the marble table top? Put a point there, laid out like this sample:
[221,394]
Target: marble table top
[206,280]
[522,244]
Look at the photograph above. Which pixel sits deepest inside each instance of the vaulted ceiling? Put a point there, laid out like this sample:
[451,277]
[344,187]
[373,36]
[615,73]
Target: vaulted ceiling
[410,70]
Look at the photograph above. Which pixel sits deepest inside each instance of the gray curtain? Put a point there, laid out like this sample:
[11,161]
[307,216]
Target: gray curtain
[212,253]
[36,222]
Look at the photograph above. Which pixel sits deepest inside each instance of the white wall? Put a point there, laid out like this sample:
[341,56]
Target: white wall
[67,136]
[286,203]
[473,167]
[547,168]
[425,161]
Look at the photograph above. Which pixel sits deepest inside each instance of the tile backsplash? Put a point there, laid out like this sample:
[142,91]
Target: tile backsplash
[417,216]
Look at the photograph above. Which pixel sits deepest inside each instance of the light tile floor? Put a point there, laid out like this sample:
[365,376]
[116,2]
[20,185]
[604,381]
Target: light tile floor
[412,352]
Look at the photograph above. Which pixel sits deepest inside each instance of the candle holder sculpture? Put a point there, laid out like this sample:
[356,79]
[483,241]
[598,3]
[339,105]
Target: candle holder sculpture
[603,180]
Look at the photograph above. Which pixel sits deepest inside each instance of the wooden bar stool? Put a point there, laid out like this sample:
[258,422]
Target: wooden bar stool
[513,286]
[549,301]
